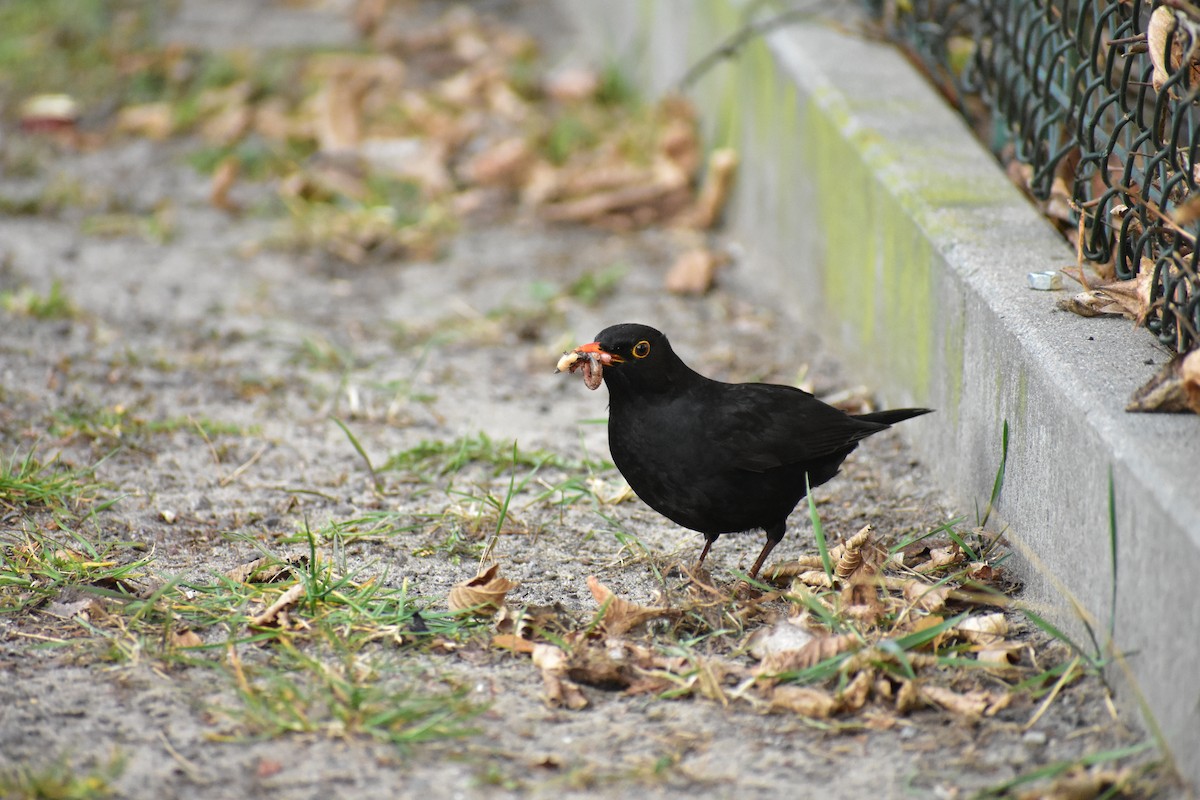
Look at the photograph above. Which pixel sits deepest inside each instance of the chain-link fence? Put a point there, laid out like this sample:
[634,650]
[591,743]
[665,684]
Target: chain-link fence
[1095,105]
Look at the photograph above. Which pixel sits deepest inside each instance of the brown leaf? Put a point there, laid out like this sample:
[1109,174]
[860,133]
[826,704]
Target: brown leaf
[807,656]
[410,159]
[70,605]
[1173,389]
[792,569]
[606,666]
[924,596]
[276,613]
[787,634]
[228,125]
[968,704]
[986,629]
[509,641]
[1083,784]
[678,139]
[339,113]
[152,120]
[692,273]
[1163,23]
[817,578]
[852,559]
[1129,298]
[923,623]
[572,85]
[908,697]
[529,621]
[594,208]
[267,569]
[559,691]
[1188,211]
[367,15]
[505,162]
[482,594]
[621,615]
[185,638]
[804,701]
[860,600]
[999,659]
[224,176]
[714,192]
[940,557]
[855,695]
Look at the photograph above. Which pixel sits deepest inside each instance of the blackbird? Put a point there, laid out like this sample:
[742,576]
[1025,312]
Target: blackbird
[712,456]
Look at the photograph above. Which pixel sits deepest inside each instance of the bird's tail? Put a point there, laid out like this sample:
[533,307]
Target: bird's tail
[892,416]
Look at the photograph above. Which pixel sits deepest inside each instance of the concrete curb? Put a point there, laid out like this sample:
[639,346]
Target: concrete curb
[866,206]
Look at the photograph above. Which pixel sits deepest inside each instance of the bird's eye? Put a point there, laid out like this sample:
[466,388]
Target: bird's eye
[641,349]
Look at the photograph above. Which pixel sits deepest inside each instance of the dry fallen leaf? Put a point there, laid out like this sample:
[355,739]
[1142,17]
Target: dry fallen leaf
[987,629]
[924,596]
[276,613]
[1163,23]
[787,634]
[185,638]
[621,615]
[152,120]
[968,704]
[1173,389]
[510,641]
[483,594]
[908,697]
[714,192]
[224,176]
[1084,784]
[999,659]
[803,700]
[860,601]
[267,569]
[86,607]
[940,557]
[505,162]
[559,691]
[808,655]
[572,85]
[852,560]
[692,273]
[1129,298]
[792,569]
[856,694]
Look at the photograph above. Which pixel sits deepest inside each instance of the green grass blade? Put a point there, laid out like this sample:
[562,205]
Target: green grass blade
[998,484]
[818,531]
[1112,553]
[361,452]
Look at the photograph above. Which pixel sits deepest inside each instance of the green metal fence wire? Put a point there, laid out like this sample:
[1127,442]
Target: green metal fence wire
[1072,90]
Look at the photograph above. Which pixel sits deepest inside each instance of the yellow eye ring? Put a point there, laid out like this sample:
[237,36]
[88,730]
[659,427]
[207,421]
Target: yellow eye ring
[641,349]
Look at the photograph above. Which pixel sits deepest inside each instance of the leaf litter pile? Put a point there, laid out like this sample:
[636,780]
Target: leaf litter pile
[383,154]
[823,644]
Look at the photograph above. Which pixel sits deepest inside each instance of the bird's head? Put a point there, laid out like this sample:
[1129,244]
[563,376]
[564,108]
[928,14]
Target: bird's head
[628,356]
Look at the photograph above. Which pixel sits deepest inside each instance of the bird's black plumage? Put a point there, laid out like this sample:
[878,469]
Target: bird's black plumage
[719,457]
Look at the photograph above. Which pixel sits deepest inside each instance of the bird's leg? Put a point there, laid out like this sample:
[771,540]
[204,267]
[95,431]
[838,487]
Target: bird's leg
[774,536]
[708,543]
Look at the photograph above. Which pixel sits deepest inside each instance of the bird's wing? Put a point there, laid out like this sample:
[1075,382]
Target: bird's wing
[759,426]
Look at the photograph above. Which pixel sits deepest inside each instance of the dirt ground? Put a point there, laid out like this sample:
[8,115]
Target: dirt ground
[263,349]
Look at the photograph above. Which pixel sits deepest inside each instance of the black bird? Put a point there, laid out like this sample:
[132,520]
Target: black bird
[712,456]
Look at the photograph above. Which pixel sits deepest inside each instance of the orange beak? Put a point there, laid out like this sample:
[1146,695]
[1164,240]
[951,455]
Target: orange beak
[594,347]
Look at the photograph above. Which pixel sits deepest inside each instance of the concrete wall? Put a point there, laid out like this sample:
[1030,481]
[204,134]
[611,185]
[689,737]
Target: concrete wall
[866,205]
